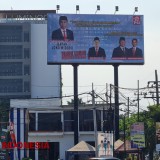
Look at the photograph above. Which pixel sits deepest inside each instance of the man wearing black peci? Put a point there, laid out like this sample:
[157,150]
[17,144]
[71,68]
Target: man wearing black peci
[121,51]
[63,33]
[96,52]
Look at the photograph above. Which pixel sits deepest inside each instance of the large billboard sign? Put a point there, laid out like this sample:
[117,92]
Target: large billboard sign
[95,39]
[137,135]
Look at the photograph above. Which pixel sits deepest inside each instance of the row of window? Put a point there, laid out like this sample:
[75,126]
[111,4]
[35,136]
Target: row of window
[14,85]
[14,52]
[53,122]
[14,37]
[13,69]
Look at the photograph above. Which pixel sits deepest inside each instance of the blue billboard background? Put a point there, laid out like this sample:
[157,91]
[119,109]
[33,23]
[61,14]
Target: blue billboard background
[108,28]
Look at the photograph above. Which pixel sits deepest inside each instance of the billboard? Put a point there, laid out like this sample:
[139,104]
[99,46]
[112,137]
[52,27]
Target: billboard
[137,135]
[95,39]
[105,144]
[158,136]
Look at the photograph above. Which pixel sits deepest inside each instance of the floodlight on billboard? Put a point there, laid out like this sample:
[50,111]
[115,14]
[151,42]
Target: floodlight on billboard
[95,39]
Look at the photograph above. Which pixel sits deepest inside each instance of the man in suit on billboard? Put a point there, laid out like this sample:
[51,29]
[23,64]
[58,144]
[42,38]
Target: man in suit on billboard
[121,51]
[135,52]
[96,52]
[63,33]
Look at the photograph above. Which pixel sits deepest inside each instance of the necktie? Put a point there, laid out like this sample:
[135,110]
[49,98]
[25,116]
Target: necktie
[133,51]
[64,35]
[96,51]
[123,49]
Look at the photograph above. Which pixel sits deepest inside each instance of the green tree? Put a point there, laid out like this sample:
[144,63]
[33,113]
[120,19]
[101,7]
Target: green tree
[80,101]
[149,118]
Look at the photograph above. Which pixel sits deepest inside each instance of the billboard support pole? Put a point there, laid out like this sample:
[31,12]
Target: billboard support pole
[75,75]
[116,110]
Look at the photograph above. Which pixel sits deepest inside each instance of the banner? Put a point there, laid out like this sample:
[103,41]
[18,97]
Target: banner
[157,136]
[137,135]
[105,144]
[95,39]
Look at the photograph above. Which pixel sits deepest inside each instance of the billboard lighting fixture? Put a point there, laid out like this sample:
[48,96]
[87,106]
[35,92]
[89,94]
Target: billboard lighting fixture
[77,8]
[135,10]
[116,9]
[58,8]
[98,8]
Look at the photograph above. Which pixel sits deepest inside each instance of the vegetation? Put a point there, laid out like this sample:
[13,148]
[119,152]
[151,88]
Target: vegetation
[149,118]
[80,101]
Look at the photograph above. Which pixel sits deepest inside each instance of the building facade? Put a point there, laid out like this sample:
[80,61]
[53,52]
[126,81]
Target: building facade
[23,56]
[47,121]
[15,60]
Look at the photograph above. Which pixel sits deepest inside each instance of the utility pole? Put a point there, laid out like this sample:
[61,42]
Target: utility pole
[106,93]
[124,127]
[157,91]
[95,120]
[128,106]
[154,84]
[110,96]
[138,94]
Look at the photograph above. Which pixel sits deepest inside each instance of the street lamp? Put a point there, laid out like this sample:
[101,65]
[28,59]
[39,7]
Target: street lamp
[77,8]
[98,8]
[58,8]
[135,10]
[116,9]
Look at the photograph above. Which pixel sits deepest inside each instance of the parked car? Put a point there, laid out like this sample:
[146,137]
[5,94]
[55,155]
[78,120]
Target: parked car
[104,158]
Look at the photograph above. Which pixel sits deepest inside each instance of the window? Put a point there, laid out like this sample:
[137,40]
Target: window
[108,120]
[26,70]
[68,121]
[86,120]
[11,51]
[11,33]
[32,121]
[26,53]
[49,122]
[26,37]
[51,153]
[98,118]
[26,86]
[10,85]
[10,69]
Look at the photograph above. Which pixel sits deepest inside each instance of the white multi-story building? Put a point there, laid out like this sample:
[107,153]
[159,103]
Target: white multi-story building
[24,72]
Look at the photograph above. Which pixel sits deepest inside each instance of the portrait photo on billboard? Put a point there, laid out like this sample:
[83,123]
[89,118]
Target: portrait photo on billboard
[95,39]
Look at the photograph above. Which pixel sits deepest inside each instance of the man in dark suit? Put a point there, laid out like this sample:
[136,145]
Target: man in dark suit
[135,52]
[121,51]
[96,52]
[63,33]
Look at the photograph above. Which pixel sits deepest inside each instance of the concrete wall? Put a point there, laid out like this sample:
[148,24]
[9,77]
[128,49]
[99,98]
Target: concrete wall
[45,79]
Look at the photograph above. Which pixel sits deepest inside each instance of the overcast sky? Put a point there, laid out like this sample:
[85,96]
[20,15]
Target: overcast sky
[100,75]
